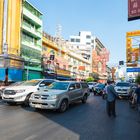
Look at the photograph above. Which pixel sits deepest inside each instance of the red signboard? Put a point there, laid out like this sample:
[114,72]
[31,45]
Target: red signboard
[81,68]
[133,9]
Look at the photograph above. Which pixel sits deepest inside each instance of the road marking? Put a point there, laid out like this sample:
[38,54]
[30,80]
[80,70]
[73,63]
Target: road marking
[31,137]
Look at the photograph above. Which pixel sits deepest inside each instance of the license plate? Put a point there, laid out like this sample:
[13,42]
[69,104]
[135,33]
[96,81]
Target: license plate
[38,106]
[6,96]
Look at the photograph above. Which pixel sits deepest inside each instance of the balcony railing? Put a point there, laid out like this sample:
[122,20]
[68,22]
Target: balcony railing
[31,30]
[31,16]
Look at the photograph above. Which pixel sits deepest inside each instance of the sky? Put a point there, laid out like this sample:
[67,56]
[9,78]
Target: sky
[106,19]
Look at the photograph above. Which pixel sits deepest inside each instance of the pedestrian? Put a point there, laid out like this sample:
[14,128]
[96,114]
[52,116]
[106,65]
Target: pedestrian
[137,91]
[111,98]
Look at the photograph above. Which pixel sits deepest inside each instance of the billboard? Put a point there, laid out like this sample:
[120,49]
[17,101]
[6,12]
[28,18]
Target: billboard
[133,48]
[133,9]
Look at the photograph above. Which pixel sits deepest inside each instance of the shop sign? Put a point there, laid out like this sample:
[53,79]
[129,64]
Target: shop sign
[63,72]
[81,68]
[133,33]
[15,63]
[133,69]
[133,9]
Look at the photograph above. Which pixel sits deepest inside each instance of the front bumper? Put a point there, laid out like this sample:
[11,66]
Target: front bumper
[44,104]
[124,94]
[1,92]
[13,98]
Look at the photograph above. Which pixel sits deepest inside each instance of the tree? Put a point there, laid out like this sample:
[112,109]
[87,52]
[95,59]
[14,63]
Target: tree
[95,76]
[138,79]
[90,79]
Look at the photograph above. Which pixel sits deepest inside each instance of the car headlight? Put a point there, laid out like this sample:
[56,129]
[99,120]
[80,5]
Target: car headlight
[129,90]
[52,97]
[20,91]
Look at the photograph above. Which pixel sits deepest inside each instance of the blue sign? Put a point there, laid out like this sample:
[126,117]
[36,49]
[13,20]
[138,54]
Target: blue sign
[133,70]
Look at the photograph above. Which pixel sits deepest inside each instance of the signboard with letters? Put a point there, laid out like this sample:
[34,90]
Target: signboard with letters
[132,49]
[133,69]
[16,63]
[133,9]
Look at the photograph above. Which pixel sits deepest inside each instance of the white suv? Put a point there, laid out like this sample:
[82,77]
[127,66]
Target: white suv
[91,85]
[123,89]
[22,92]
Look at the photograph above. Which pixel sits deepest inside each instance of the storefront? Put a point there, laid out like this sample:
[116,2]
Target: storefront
[11,67]
[32,74]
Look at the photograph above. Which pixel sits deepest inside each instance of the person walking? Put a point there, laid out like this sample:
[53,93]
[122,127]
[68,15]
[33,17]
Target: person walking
[111,98]
[137,91]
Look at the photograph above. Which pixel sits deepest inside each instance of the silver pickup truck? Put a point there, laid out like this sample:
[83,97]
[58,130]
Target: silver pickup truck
[59,95]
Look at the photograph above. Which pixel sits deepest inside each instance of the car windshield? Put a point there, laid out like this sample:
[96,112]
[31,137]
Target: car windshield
[30,83]
[59,85]
[123,84]
[90,83]
[100,85]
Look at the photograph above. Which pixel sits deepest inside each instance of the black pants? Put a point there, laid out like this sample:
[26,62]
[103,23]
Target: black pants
[111,108]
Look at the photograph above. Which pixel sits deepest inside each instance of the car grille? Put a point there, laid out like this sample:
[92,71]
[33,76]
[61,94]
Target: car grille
[43,97]
[122,90]
[9,92]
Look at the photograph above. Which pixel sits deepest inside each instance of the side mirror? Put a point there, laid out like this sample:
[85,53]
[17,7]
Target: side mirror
[71,88]
[42,85]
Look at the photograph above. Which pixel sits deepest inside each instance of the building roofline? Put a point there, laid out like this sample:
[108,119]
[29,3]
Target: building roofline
[33,6]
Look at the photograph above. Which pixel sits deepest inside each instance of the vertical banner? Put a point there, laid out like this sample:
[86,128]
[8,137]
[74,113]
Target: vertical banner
[133,9]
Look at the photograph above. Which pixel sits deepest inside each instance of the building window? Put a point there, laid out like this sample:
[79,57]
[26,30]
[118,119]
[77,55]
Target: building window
[72,40]
[88,36]
[27,38]
[87,43]
[77,40]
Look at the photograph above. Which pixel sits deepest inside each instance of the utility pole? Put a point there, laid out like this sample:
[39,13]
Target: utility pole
[5,45]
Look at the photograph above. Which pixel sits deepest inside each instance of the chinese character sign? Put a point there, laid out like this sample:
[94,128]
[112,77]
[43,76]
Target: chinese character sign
[133,9]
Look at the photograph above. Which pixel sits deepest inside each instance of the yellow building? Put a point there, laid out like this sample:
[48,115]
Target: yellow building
[10,21]
[57,66]
[66,63]
[13,22]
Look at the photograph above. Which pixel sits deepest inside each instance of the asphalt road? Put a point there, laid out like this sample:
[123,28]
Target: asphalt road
[80,122]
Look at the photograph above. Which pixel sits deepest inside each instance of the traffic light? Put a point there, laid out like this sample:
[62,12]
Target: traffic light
[52,57]
[121,62]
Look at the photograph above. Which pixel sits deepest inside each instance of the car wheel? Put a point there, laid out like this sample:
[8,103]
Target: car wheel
[26,102]
[63,106]
[84,99]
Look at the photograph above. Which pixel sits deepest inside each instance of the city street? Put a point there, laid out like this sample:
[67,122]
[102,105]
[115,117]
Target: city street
[80,122]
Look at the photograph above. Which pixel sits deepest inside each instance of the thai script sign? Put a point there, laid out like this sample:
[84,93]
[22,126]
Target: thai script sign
[133,9]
